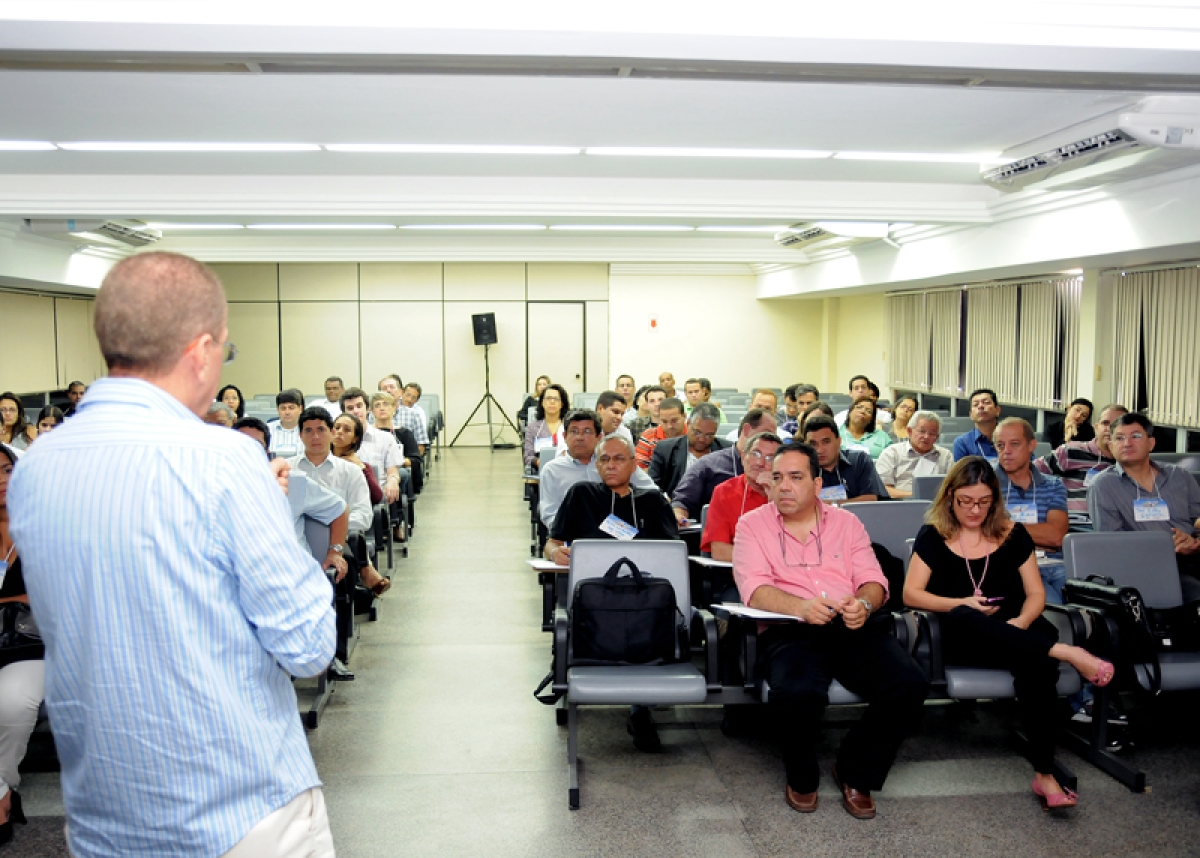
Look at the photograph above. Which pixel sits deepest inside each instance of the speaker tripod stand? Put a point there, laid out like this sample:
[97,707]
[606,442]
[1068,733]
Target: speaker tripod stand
[488,400]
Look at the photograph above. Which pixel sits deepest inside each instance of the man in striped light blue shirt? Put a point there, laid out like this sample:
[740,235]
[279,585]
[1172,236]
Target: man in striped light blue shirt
[172,595]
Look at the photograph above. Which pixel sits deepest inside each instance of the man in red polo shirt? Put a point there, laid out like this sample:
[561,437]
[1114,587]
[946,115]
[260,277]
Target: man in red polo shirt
[734,498]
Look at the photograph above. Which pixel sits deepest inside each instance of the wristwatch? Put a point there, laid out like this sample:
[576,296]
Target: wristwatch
[337,549]
[866,603]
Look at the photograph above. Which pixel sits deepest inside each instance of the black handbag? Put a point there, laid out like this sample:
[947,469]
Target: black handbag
[1136,640]
[630,620]
[20,639]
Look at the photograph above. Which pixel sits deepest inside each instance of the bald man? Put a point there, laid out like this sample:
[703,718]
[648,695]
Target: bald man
[174,599]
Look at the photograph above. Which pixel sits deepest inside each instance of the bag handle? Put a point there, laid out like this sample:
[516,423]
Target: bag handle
[1100,579]
[610,577]
[1138,611]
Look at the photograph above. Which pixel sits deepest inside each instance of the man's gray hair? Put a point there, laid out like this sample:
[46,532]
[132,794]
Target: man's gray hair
[217,407]
[705,411]
[926,415]
[616,436]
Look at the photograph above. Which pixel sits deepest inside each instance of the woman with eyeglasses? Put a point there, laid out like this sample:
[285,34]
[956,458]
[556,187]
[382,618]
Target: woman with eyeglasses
[977,568]
[14,431]
[546,430]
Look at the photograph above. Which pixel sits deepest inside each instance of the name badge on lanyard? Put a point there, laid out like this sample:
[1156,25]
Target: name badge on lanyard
[540,444]
[1024,512]
[1151,509]
[1091,477]
[834,493]
[618,528]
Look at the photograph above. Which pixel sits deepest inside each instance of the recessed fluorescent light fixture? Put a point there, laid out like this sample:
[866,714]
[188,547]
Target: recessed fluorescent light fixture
[854,229]
[321,226]
[766,229]
[26,146]
[928,157]
[451,149]
[110,146]
[162,227]
[694,152]
[494,227]
[612,227]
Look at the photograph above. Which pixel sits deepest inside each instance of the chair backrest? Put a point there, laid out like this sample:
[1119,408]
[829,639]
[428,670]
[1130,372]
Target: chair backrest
[1172,458]
[433,405]
[584,400]
[1042,448]
[725,428]
[720,392]
[268,398]
[836,401]
[545,455]
[926,488]
[961,425]
[704,516]
[734,415]
[1145,560]
[891,523]
[660,558]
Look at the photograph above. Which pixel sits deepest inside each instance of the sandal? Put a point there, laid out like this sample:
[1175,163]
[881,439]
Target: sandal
[1055,800]
[1104,674]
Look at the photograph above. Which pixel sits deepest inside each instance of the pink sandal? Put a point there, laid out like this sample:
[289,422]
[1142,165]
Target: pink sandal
[1056,800]
[1104,674]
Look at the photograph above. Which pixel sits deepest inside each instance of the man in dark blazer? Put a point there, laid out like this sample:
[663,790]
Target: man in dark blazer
[673,455]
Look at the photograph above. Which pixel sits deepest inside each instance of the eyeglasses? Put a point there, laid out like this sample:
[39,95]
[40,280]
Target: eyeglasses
[616,460]
[967,503]
[1136,436]
[820,552]
[8,410]
[229,351]
[581,433]
[759,456]
[708,435]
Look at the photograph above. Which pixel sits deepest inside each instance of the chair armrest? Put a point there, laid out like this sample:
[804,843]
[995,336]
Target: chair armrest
[356,547]
[749,653]
[931,628]
[1079,624]
[712,667]
[561,648]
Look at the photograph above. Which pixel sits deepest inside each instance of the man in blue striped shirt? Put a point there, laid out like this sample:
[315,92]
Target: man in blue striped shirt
[173,597]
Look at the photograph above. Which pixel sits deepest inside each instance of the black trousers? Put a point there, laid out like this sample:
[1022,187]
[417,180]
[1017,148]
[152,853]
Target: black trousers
[800,661]
[973,639]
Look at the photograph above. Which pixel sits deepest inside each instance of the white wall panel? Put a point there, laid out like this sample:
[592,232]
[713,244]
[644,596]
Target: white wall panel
[599,377]
[29,362]
[485,281]
[404,337]
[318,281]
[319,339]
[400,281]
[254,329]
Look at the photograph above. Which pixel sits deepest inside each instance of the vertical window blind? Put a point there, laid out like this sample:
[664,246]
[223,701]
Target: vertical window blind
[1155,318]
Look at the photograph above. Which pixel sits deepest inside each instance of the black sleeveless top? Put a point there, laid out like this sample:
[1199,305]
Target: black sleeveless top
[948,572]
[14,581]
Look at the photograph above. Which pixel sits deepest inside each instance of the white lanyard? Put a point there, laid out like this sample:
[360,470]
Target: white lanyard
[1153,482]
[632,502]
[1008,491]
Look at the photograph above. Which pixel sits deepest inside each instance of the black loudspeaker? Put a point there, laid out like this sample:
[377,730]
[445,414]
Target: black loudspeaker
[485,328]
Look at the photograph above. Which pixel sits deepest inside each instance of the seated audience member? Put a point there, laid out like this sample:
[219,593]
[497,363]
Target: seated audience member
[790,409]
[861,386]
[674,457]
[583,432]
[902,411]
[21,682]
[585,514]
[1077,463]
[610,408]
[651,400]
[637,407]
[800,557]
[626,387]
[671,424]
[916,456]
[744,493]
[699,390]
[257,430]
[412,416]
[696,487]
[985,414]
[1033,500]
[14,431]
[991,611]
[766,399]
[232,397]
[220,414]
[347,438]
[817,407]
[334,388]
[343,478]
[285,432]
[392,386]
[49,418]
[546,430]
[1139,494]
[862,432]
[383,409]
[75,392]
[1075,426]
[531,400]
[846,475]
[806,395]
[379,448]
[667,382]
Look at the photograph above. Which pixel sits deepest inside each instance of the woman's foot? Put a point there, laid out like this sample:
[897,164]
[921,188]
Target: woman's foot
[1092,668]
[373,581]
[1051,793]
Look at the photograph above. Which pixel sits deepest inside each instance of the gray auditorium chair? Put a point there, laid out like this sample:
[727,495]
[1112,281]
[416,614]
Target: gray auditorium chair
[1042,448]
[648,685]
[959,425]
[1145,561]
[584,400]
[725,428]
[892,524]
[926,488]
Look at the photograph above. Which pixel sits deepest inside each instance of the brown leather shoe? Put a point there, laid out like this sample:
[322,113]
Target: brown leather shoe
[805,802]
[858,804]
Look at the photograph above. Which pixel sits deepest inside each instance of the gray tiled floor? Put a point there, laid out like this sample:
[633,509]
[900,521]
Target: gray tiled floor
[439,749]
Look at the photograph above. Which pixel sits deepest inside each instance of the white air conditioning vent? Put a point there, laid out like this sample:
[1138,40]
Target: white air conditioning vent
[120,233]
[800,236]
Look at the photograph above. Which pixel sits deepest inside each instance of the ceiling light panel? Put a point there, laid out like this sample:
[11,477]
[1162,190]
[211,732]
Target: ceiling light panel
[461,227]
[763,229]
[178,227]
[26,146]
[926,157]
[157,146]
[614,227]
[451,149]
[690,152]
[321,226]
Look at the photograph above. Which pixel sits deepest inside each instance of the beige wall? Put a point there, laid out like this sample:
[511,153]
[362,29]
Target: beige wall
[861,342]
[48,343]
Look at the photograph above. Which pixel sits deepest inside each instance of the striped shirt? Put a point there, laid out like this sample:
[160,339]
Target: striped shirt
[415,420]
[1045,493]
[174,600]
[1076,463]
[284,442]
[380,450]
[345,480]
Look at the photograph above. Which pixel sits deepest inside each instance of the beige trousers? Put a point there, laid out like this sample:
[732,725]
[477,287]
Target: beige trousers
[299,829]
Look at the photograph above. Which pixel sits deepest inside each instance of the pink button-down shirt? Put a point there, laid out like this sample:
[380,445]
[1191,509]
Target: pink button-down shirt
[765,553]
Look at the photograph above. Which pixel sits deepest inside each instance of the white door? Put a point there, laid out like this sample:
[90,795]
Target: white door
[555,344]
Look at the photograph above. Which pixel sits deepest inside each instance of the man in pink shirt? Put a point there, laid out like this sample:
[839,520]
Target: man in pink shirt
[801,557]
